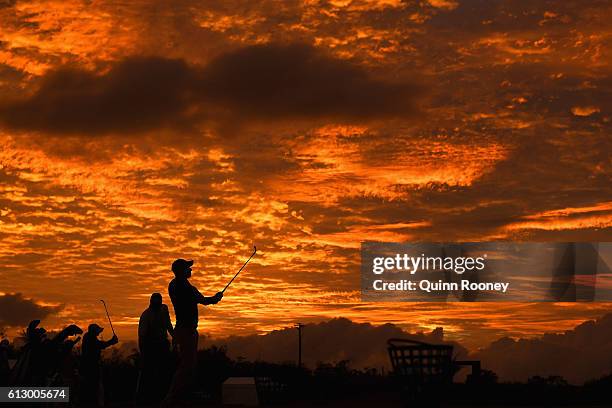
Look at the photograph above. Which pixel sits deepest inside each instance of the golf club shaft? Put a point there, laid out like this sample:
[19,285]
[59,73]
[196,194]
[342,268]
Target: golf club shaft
[108,316]
[241,268]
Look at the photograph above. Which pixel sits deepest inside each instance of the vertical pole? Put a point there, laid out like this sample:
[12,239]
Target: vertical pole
[299,328]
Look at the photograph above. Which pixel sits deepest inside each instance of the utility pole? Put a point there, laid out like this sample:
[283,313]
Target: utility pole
[299,328]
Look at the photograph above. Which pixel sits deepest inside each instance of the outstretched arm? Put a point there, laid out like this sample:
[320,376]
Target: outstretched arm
[68,331]
[207,300]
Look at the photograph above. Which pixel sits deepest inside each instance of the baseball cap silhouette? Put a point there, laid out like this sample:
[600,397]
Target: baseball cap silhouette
[180,265]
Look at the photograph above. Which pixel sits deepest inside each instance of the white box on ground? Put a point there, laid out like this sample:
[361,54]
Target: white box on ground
[240,391]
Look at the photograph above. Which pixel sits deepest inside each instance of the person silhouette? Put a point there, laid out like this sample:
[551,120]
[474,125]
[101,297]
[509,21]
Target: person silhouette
[39,360]
[30,369]
[5,369]
[61,360]
[185,299]
[92,390]
[153,326]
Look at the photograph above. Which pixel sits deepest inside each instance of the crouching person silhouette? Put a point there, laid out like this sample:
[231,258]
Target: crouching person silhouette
[92,391]
[185,299]
[155,373]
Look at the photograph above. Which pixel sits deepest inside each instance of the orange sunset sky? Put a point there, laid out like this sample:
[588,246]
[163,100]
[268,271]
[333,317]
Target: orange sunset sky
[135,132]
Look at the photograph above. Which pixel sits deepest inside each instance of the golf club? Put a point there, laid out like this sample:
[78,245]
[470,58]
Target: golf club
[107,315]
[241,268]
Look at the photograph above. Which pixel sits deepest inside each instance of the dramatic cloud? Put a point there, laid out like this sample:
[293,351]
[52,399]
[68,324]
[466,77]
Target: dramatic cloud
[298,81]
[137,94]
[578,355]
[16,311]
[364,345]
[264,82]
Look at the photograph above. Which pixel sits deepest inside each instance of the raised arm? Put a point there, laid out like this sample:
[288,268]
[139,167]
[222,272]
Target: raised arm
[108,343]
[68,331]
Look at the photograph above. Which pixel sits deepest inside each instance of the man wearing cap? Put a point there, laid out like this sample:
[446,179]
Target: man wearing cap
[185,299]
[90,363]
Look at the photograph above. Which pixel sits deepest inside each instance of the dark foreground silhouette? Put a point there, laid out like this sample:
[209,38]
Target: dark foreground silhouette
[338,385]
[91,389]
[168,369]
[163,373]
[48,360]
[185,300]
[52,360]
[156,360]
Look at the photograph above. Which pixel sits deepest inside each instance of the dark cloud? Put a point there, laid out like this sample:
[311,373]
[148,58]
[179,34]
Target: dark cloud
[486,16]
[585,350]
[329,342]
[136,94]
[265,82]
[268,82]
[15,310]
[12,79]
[7,3]
[540,173]
[578,355]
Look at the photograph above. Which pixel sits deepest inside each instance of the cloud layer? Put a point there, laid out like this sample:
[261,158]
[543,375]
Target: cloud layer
[363,345]
[18,311]
[578,355]
[269,82]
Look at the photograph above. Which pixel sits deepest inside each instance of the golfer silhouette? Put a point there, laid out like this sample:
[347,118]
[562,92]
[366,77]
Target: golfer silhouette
[92,388]
[185,299]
